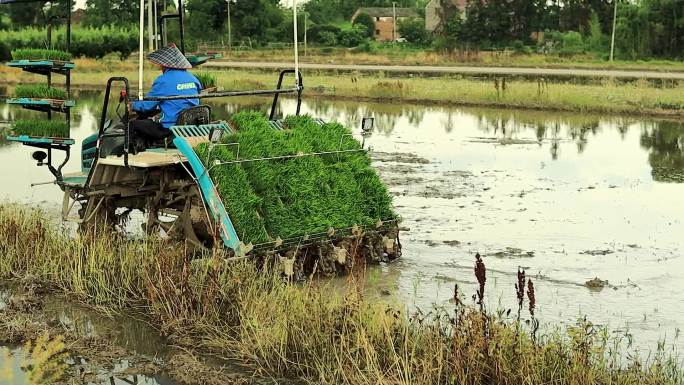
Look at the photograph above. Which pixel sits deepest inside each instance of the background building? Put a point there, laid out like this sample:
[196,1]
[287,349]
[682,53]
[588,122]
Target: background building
[384,20]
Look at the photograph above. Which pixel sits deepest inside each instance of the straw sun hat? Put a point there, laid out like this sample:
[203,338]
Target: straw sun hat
[170,57]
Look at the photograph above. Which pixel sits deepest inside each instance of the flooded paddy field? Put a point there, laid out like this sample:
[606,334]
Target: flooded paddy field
[590,206]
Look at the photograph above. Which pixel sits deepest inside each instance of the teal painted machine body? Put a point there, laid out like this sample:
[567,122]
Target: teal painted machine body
[88,153]
[210,195]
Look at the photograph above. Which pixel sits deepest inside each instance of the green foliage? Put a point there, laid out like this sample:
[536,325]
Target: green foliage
[5,52]
[595,41]
[368,46]
[327,38]
[37,12]
[39,92]
[88,42]
[257,20]
[123,13]
[297,196]
[451,34]
[40,54]
[352,37]
[367,21]
[40,128]
[207,80]
[99,42]
[206,18]
[571,43]
[324,34]
[413,30]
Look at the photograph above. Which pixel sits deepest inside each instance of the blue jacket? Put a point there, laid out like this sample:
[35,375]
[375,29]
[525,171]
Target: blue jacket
[171,83]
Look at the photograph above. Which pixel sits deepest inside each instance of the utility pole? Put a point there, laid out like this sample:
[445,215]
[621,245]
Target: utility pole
[612,39]
[306,22]
[394,21]
[150,28]
[156,17]
[230,33]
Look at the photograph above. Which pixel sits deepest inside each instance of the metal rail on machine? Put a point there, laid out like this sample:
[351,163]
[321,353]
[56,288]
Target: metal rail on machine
[179,16]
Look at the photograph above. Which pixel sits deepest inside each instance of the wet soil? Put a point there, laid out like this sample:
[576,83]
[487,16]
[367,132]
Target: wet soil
[103,349]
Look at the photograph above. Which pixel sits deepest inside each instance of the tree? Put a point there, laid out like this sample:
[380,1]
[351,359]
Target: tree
[452,34]
[413,30]
[36,13]
[367,22]
[206,18]
[352,37]
[111,12]
[596,41]
[316,33]
[327,38]
[255,19]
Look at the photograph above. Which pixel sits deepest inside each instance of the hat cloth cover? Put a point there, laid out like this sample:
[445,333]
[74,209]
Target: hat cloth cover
[170,57]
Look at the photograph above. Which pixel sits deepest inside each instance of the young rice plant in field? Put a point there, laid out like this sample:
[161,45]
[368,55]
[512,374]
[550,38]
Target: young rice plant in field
[41,128]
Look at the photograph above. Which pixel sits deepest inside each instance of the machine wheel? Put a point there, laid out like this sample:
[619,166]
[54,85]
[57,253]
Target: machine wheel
[183,218]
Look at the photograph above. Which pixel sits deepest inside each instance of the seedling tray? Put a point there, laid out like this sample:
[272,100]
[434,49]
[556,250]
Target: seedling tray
[36,140]
[43,67]
[43,104]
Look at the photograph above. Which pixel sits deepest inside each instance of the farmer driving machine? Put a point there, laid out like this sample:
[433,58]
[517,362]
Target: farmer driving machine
[295,190]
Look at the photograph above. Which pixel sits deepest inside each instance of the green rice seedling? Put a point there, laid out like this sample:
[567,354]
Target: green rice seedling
[39,92]
[40,54]
[237,194]
[302,194]
[207,79]
[40,128]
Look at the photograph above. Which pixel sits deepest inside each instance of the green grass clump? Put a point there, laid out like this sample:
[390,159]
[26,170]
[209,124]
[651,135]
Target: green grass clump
[206,79]
[40,54]
[39,92]
[41,128]
[297,196]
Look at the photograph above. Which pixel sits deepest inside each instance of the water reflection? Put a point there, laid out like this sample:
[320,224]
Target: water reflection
[665,143]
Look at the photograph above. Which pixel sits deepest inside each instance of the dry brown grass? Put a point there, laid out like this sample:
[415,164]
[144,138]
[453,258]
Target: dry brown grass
[308,331]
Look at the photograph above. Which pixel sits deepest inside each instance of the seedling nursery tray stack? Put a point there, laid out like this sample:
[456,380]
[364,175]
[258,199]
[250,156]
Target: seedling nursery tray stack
[50,131]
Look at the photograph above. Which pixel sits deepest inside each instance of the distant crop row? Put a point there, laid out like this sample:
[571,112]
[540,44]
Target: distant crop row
[85,42]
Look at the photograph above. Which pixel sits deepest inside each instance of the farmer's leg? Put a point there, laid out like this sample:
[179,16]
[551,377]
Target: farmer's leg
[148,129]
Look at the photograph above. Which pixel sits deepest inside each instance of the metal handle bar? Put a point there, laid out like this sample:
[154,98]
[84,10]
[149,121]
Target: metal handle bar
[299,89]
[103,118]
[223,94]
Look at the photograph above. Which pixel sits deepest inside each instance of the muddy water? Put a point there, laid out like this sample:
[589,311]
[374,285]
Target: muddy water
[568,197]
[125,331]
